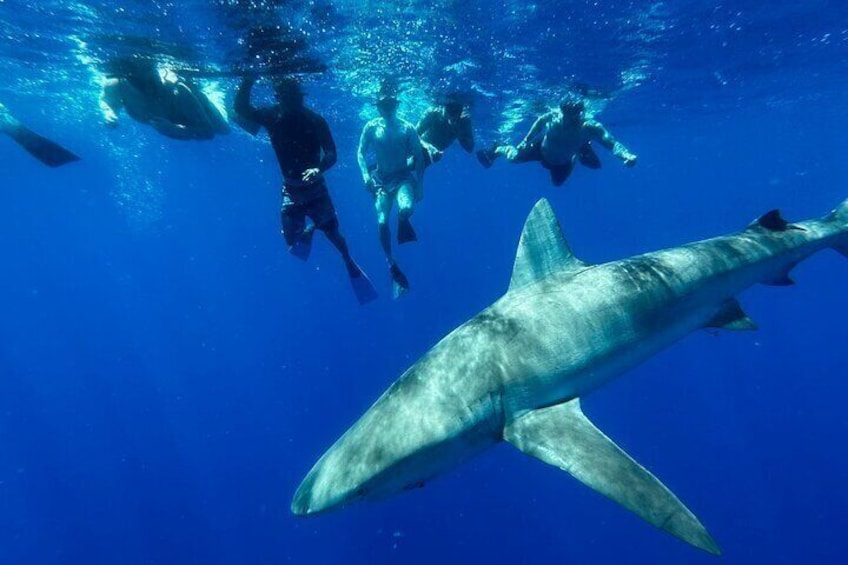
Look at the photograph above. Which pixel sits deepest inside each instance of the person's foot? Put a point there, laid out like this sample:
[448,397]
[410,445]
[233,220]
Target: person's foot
[405,231]
[400,284]
[487,157]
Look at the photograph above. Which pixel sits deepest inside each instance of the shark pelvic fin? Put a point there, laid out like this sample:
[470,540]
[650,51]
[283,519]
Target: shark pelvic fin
[562,436]
[542,249]
[732,317]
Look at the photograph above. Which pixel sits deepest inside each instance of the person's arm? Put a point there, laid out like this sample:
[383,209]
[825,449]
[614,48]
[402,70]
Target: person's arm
[328,147]
[426,121]
[416,150]
[605,138]
[365,142]
[110,101]
[465,135]
[242,105]
[536,131]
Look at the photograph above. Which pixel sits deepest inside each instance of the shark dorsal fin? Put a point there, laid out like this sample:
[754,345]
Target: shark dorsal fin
[542,249]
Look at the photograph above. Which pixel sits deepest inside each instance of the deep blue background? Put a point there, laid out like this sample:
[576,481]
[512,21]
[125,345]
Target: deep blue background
[168,377]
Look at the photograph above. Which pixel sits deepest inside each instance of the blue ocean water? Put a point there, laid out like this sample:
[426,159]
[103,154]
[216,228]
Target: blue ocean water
[168,373]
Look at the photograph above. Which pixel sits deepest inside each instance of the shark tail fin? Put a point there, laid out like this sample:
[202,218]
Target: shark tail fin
[562,436]
[840,217]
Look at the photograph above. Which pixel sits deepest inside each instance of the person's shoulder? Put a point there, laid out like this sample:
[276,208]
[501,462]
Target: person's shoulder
[433,112]
[314,116]
[374,123]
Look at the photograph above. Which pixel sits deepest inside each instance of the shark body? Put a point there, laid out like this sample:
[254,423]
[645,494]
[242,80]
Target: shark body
[516,371]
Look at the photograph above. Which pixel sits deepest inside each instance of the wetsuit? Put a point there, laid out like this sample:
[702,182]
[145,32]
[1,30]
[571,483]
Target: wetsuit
[299,136]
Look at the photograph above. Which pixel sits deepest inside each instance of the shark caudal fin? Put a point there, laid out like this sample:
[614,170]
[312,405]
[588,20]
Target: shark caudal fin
[840,216]
[542,249]
[563,436]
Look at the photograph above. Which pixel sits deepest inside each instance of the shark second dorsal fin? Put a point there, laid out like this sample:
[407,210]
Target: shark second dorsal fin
[562,436]
[542,249]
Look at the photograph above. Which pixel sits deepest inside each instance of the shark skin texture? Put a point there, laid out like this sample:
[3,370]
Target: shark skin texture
[516,371]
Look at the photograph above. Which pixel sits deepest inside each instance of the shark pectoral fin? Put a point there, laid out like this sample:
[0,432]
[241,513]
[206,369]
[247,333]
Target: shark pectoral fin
[562,436]
[542,249]
[732,317]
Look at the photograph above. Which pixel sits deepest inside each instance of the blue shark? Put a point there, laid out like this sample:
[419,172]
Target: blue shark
[516,371]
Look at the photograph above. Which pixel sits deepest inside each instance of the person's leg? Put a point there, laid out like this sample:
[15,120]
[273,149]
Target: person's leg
[406,206]
[293,222]
[323,214]
[588,157]
[383,206]
[560,173]
[298,235]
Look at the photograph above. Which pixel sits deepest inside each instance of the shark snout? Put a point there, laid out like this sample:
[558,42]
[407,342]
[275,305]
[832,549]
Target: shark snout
[322,491]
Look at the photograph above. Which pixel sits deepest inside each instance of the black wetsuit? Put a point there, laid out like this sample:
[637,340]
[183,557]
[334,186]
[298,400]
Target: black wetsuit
[299,136]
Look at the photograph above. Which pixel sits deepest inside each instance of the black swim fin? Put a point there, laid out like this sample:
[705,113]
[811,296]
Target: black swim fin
[303,246]
[405,232]
[362,287]
[588,157]
[48,152]
[486,157]
[400,284]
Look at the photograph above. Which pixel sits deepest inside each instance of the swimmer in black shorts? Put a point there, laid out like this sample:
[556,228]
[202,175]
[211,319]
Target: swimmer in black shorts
[558,139]
[305,150]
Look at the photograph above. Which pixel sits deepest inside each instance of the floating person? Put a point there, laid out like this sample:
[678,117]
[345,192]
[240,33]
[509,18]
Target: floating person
[305,150]
[443,124]
[558,139]
[173,106]
[48,152]
[396,176]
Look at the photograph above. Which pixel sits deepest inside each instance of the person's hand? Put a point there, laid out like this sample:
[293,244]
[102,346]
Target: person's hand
[466,114]
[111,120]
[512,152]
[370,185]
[311,175]
[629,159]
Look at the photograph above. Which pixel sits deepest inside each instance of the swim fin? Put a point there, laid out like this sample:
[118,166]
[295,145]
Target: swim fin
[400,284]
[362,287]
[303,246]
[588,157]
[405,232]
[486,157]
[48,152]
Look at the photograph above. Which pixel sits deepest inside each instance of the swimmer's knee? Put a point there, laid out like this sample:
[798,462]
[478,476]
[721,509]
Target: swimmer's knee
[330,226]
[405,212]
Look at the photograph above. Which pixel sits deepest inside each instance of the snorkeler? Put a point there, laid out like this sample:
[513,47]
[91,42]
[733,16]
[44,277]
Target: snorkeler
[558,139]
[397,176]
[305,149]
[443,124]
[175,107]
[48,152]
